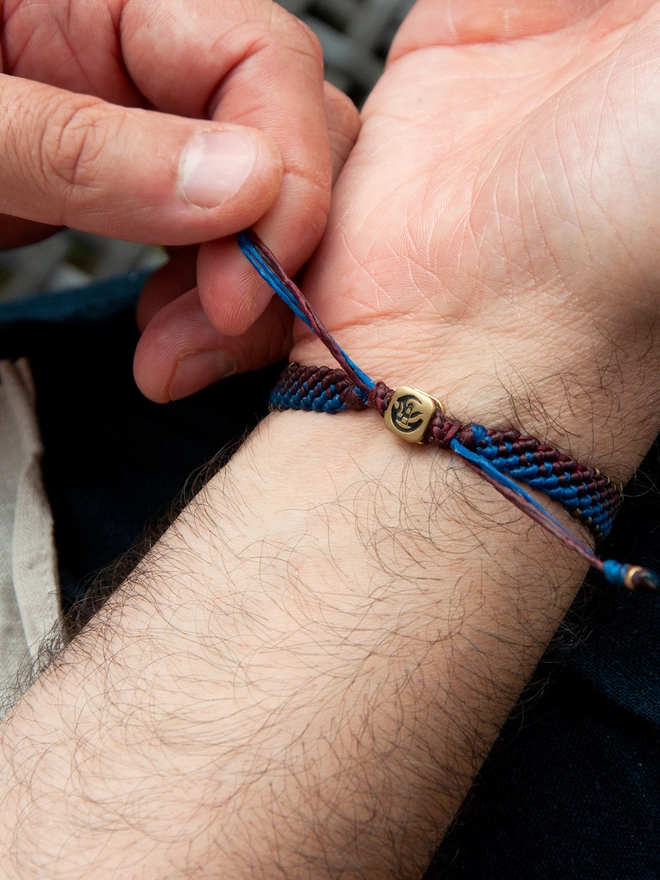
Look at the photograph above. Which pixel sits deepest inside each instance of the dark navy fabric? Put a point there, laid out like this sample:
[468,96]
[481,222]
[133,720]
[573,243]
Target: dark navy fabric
[86,305]
[114,462]
[572,787]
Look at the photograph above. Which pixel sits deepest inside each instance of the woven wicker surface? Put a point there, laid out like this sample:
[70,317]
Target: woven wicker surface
[355,36]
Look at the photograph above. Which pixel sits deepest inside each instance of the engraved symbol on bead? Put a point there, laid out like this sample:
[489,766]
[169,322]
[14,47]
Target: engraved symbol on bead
[406,414]
[409,413]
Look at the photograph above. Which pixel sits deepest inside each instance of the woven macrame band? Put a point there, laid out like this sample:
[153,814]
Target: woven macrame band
[588,495]
[502,457]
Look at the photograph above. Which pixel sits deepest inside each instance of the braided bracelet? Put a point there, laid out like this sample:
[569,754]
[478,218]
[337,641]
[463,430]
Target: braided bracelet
[503,457]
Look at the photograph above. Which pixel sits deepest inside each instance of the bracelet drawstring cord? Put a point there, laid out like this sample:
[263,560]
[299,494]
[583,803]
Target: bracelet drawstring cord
[266,264]
[585,492]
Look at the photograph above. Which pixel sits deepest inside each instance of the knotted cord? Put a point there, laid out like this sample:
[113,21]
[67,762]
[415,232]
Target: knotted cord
[503,457]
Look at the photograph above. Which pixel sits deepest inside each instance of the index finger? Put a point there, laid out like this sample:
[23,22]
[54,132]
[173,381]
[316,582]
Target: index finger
[256,65]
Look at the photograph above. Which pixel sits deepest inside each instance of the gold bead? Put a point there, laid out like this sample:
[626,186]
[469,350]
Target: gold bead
[628,577]
[409,413]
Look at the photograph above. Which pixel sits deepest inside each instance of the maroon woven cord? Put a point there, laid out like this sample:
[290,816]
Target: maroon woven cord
[315,323]
[500,457]
[442,430]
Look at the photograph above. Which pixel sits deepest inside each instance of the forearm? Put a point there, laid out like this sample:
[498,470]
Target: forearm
[302,677]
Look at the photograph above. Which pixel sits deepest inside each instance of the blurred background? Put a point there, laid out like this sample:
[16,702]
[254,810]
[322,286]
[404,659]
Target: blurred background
[355,35]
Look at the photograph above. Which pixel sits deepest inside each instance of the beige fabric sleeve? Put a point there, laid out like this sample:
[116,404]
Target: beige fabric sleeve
[29,596]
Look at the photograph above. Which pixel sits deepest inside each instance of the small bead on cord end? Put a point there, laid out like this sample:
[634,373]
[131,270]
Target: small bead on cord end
[632,577]
[409,412]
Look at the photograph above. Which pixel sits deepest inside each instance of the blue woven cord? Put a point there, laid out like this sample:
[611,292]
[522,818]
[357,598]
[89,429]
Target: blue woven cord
[253,255]
[502,471]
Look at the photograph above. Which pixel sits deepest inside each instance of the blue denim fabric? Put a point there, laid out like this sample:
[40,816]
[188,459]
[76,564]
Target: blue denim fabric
[572,787]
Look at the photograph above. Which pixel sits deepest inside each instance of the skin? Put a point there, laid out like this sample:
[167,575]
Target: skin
[491,189]
[305,674]
[97,129]
[528,190]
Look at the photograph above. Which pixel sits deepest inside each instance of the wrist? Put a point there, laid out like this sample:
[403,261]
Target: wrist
[347,476]
[502,456]
[598,405]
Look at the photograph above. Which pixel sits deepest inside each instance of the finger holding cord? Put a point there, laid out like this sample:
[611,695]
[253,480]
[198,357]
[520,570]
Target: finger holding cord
[253,65]
[75,160]
[186,59]
[178,277]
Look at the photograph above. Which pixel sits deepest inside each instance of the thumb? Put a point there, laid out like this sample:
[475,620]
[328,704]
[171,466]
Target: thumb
[74,160]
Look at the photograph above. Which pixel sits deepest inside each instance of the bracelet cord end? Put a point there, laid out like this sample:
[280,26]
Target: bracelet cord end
[633,577]
[503,458]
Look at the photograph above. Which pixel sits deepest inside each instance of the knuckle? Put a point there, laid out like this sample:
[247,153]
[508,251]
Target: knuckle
[298,35]
[72,142]
[341,113]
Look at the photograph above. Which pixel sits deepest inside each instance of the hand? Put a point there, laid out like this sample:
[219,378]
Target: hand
[493,236]
[173,122]
[305,674]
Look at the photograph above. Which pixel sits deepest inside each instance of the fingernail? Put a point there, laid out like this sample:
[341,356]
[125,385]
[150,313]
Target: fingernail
[215,166]
[199,369]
